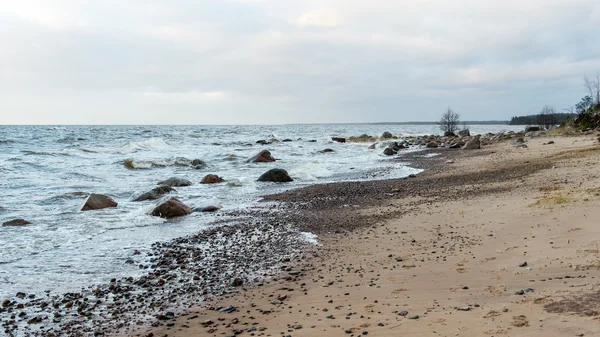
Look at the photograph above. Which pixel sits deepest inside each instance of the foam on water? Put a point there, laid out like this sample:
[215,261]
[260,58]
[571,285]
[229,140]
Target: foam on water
[48,171]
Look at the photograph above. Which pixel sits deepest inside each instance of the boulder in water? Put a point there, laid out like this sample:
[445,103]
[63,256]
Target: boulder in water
[171,208]
[389,151]
[208,209]
[175,182]
[464,133]
[16,223]
[386,135]
[198,164]
[263,156]
[327,151]
[98,201]
[532,128]
[212,179]
[338,139]
[155,193]
[473,144]
[276,175]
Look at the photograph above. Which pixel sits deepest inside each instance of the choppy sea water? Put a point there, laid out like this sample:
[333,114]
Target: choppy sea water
[47,171]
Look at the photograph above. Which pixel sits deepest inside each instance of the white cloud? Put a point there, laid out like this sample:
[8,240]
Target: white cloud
[320,18]
[188,96]
[341,60]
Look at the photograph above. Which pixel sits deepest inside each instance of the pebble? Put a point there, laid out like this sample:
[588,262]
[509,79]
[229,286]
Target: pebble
[519,292]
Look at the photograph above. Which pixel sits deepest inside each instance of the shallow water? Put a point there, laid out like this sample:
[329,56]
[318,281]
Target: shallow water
[48,171]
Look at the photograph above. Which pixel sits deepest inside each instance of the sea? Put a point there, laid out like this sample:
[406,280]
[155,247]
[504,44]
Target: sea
[46,172]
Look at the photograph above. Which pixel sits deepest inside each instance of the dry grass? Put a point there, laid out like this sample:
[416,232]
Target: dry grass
[585,305]
[576,153]
[550,188]
[551,200]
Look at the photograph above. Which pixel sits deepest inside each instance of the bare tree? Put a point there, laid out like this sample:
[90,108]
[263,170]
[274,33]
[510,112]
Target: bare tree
[593,87]
[547,117]
[449,122]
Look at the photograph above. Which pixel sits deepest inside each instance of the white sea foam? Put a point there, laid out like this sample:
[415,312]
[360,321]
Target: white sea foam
[310,237]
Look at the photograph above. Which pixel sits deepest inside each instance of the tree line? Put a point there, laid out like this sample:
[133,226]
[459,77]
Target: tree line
[583,115]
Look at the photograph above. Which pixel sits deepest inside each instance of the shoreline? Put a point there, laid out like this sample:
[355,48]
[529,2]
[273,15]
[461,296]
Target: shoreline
[438,254]
[355,207]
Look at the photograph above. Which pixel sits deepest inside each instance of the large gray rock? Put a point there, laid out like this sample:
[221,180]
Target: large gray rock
[98,201]
[532,128]
[464,133]
[155,193]
[16,223]
[472,144]
[263,156]
[386,135]
[432,145]
[198,164]
[338,139]
[276,175]
[389,151]
[175,182]
[171,208]
[208,209]
[212,179]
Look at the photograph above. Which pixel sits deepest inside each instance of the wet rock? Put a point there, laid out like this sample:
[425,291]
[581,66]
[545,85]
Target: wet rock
[327,151]
[237,282]
[155,193]
[16,223]
[98,201]
[386,135]
[263,156]
[473,144]
[338,139]
[198,164]
[208,209]
[389,151]
[532,129]
[171,208]
[276,175]
[175,182]
[228,309]
[464,133]
[212,179]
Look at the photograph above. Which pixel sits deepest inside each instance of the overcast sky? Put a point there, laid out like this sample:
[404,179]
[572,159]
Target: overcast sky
[291,61]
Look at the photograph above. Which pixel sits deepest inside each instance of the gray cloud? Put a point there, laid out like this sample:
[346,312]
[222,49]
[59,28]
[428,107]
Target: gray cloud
[284,61]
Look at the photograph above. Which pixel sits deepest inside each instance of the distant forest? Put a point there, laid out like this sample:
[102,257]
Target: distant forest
[553,118]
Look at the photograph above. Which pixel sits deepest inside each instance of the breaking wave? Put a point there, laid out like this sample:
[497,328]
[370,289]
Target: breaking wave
[147,145]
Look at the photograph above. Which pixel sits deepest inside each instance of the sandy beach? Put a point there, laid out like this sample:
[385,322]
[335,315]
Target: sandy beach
[501,241]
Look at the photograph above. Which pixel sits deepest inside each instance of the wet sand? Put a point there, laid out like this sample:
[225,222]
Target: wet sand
[504,241]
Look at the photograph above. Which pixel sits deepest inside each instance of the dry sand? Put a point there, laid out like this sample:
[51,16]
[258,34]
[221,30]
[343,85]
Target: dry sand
[408,275]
